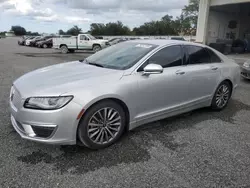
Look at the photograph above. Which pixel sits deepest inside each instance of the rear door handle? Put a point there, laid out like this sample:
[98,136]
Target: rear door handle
[179,72]
[214,68]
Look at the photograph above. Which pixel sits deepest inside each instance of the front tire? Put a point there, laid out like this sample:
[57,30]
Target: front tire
[96,48]
[45,46]
[102,125]
[222,96]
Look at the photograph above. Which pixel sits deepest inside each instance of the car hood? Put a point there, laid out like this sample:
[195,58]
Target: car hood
[63,78]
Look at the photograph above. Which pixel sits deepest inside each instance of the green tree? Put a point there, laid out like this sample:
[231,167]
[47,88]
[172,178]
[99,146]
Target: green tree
[61,32]
[74,30]
[30,33]
[18,30]
[189,17]
[162,27]
[97,29]
[111,28]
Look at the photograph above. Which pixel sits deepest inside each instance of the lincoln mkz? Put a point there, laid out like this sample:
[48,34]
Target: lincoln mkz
[93,101]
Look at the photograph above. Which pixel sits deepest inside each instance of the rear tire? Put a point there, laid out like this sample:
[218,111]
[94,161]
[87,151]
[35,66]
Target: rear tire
[64,49]
[102,125]
[222,96]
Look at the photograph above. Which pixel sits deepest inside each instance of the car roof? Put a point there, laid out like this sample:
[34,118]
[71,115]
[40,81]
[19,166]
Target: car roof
[162,42]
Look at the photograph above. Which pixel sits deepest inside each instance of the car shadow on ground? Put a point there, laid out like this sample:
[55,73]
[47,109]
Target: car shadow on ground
[133,147]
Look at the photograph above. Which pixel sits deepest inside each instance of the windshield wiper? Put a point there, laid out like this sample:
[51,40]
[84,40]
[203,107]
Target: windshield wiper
[95,64]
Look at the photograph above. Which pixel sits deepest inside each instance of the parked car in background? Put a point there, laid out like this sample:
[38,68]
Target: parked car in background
[98,37]
[116,41]
[34,42]
[45,43]
[80,42]
[29,41]
[178,38]
[95,100]
[62,36]
[22,40]
[245,70]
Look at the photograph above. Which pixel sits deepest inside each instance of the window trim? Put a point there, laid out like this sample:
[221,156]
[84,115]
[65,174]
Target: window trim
[166,46]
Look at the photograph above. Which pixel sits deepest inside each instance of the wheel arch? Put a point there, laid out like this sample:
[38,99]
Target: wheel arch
[230,82]
[63,45]
[111,98]
[96,44]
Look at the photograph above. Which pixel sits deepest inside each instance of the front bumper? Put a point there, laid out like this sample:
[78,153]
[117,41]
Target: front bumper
[46,126]
[245,72]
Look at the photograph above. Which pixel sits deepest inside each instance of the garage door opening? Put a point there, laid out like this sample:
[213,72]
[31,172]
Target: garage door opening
[227,26]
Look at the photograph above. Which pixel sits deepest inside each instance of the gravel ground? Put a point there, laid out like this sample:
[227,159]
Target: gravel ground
[198,149]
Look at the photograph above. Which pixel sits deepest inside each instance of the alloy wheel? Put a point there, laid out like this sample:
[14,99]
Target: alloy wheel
[222,96]
[104,125]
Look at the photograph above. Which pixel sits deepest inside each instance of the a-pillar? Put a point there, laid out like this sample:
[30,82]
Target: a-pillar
[201,33]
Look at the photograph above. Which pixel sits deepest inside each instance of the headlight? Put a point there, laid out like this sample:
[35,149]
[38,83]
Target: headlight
[47,103]
[246,64]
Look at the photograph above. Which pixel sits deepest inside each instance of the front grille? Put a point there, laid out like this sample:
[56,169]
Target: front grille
[43,132]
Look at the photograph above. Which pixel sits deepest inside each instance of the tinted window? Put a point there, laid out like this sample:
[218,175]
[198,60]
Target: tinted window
[168,57]
[213,56]
[197,55]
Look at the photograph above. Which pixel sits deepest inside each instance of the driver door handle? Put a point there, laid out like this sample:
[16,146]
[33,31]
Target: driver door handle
[179,72]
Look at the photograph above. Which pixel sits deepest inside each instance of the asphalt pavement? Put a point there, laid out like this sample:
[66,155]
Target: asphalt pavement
[199,149]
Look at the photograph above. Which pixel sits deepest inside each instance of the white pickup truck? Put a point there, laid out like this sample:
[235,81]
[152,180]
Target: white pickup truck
[80,42]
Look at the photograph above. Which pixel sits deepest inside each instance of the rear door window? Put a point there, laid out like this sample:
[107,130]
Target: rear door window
[197,55]
[213,56]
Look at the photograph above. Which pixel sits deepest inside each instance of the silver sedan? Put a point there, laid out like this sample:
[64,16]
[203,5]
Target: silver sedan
[93,101]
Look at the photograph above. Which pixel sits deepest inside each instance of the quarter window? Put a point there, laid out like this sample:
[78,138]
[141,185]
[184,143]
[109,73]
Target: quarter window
[197,55]
[168,57]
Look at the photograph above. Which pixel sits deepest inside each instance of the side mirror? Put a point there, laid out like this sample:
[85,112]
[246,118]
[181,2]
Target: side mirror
[152,69]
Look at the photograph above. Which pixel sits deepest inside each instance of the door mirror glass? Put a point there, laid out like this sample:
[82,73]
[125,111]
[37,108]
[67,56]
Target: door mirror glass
[152,69]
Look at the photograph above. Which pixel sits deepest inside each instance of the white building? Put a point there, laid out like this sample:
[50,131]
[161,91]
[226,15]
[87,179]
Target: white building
[217,19]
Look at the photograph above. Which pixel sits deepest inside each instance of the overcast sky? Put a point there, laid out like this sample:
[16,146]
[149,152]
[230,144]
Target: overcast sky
[52,15]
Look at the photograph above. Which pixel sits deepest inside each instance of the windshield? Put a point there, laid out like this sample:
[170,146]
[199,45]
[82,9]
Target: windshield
[91,37]
[121,56]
